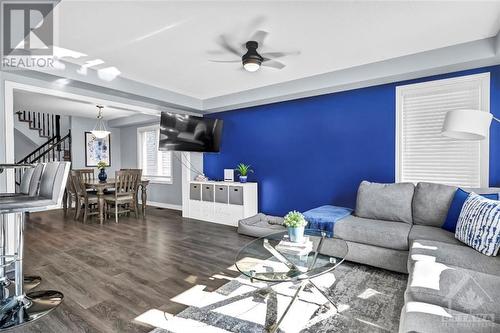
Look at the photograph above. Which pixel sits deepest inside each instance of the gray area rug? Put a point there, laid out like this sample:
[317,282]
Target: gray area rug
[368,299]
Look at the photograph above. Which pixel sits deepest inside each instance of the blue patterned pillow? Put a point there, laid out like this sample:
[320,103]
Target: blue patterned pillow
[479,224]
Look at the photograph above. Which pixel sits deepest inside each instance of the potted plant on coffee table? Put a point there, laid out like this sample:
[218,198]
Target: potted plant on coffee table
[243,170]
[102,174]
[295,222]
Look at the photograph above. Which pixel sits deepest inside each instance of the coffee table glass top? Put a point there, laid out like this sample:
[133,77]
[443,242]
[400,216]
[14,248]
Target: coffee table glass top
[274,259]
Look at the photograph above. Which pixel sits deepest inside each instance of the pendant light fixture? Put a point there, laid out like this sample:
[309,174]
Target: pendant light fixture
[100,130]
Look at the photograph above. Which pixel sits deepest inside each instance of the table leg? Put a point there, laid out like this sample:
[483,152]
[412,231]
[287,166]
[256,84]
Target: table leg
[324,295]
[100,199]
[274,328]
[144,197]
[65,202]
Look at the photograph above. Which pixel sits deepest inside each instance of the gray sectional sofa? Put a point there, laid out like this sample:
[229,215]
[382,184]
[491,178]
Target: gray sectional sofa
[451,287]
[389,217]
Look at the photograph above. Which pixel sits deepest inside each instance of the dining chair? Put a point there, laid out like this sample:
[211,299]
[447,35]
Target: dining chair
[86,175]
[70,196]
[85,199]
[125,194]
[137,184]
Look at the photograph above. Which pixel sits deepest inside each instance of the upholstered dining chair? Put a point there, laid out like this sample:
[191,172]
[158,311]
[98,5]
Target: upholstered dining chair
[22,307]
[125,194]
[84,199]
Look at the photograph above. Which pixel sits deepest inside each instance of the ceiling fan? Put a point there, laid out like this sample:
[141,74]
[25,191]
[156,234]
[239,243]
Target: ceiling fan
[252,60]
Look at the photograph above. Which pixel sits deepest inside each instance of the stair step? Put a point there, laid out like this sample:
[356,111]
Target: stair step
[36,118]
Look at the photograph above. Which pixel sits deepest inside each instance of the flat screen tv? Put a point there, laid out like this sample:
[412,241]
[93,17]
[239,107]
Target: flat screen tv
[179,132]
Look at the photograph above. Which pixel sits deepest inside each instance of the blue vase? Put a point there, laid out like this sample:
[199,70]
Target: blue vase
[102,176]
[243,179]
[296,235]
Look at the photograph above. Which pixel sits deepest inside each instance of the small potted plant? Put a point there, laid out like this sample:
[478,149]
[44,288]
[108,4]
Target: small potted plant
[102,173]
[243,170]
[295,222]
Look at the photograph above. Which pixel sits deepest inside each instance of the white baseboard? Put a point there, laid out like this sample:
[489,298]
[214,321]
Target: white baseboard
[163,205]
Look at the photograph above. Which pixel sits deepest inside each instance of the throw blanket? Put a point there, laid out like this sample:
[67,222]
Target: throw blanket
[323,219]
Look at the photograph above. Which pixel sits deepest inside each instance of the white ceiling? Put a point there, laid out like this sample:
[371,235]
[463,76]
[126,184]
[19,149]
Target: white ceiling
[167,44]
[37,102]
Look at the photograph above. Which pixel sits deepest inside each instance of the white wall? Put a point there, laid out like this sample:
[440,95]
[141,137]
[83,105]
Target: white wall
[78,128]
[22,145]
[168,194]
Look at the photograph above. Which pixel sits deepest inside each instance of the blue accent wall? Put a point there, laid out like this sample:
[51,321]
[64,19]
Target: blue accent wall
[315,151]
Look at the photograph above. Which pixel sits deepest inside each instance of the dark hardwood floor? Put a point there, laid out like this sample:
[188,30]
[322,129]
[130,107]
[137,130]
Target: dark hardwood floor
[111,274]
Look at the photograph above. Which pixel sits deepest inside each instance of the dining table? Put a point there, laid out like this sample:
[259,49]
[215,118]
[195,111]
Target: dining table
[110,183]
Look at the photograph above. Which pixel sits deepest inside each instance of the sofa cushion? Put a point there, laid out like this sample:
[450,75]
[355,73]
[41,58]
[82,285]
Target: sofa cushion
[389,202]
[425,317]
[391,235]
[390,259]
[479,224]
[431,203]
[432,233]
[458,201]
[451,254]
[455,288]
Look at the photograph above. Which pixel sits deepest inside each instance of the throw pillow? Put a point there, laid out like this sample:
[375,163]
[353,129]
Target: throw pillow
[458,201]
[479,224]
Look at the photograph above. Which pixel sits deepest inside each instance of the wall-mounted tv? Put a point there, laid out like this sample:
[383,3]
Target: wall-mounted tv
[180,132]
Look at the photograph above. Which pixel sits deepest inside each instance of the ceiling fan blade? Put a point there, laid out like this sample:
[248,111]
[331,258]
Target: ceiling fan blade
[216,52]
[255,24]
[223,42]
[259,36]
[272,55]
[233,61]
[273,64]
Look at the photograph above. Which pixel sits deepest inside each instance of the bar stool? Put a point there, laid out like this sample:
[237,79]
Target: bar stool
[21,308]
[30,182]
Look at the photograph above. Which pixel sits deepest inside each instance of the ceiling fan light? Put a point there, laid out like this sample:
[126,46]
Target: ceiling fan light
[251,65]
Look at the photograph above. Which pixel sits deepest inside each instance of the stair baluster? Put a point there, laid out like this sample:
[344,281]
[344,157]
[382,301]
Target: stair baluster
[48,152]
[56,148]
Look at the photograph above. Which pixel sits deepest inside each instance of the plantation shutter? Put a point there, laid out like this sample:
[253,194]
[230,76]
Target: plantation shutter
[155,164]
[423,154]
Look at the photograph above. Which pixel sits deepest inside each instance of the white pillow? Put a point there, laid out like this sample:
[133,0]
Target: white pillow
[479,224]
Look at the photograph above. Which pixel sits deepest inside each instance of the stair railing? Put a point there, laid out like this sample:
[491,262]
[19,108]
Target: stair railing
[48,125]
[55,149]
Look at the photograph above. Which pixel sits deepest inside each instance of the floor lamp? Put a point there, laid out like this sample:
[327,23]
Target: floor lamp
[467,124]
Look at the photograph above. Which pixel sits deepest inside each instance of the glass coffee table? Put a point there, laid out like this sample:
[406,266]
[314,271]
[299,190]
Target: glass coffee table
[268,259]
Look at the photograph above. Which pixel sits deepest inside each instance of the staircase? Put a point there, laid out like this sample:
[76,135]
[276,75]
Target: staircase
[56,148]
[47,125]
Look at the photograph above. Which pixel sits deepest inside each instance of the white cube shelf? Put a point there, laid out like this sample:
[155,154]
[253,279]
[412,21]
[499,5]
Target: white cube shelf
[222,202]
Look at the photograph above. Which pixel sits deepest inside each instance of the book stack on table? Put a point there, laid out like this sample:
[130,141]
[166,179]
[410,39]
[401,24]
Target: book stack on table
[300,249]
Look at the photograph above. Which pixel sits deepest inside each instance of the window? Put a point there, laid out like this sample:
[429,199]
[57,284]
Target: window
[156,165]
[422,153]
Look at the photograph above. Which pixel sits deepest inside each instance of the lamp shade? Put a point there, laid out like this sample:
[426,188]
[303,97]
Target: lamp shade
[100,130]
[467,124]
